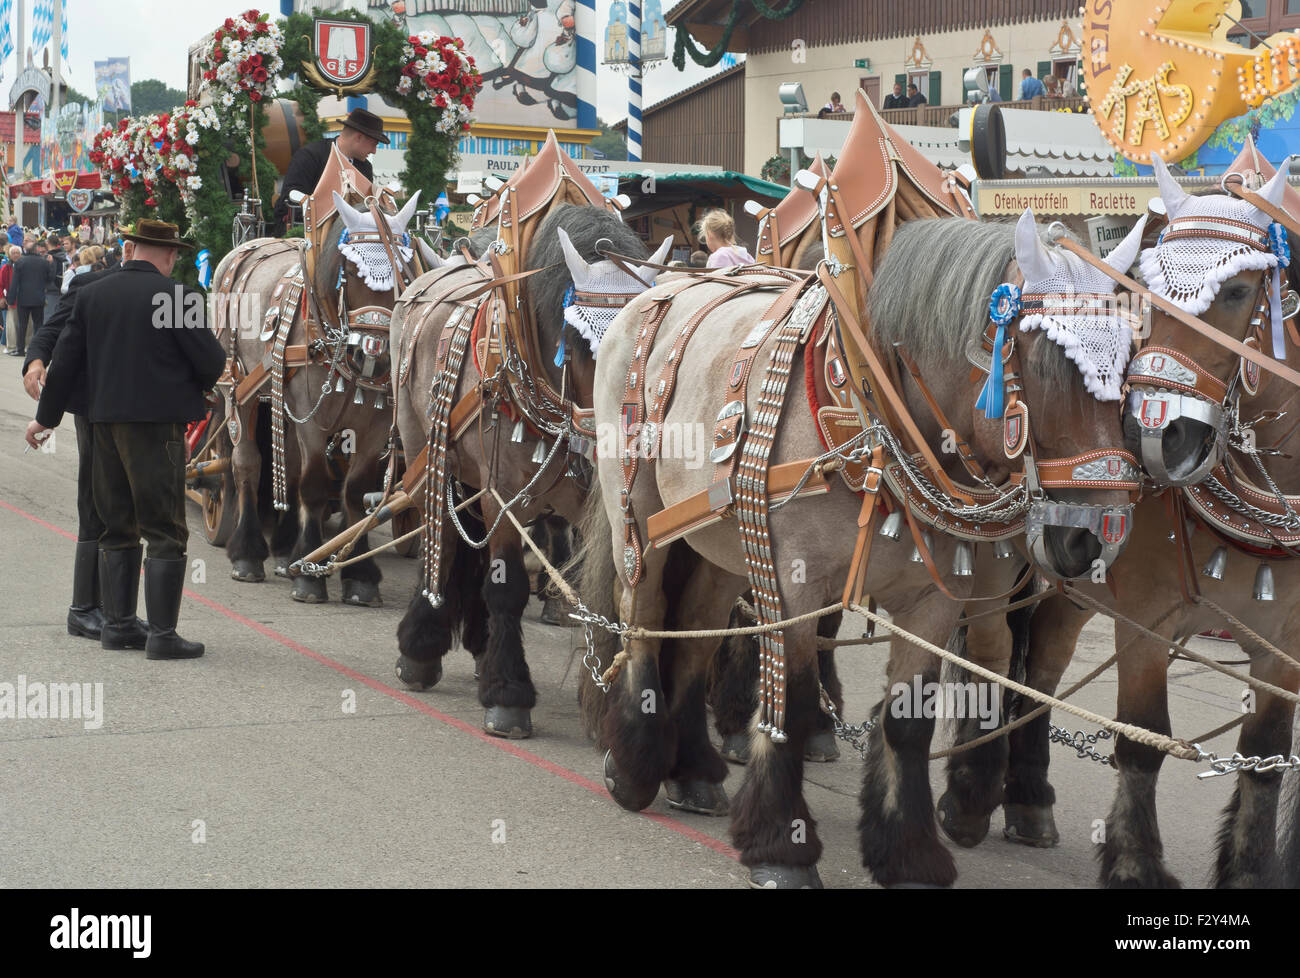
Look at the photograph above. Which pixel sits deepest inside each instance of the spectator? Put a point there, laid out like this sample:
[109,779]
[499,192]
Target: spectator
[897,100]
[12,254]
[1067,89]
[32,276]
[15,234]
[1030,87]
[718,235]
[834,105]
[83,263]
[914,97]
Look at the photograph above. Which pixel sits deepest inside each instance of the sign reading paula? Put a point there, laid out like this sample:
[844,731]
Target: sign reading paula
[1162,75]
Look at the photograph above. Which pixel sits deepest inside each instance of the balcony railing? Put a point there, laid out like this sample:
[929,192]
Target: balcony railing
[940,115]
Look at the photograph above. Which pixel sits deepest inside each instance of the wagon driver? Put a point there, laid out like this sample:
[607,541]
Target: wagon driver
[362,132]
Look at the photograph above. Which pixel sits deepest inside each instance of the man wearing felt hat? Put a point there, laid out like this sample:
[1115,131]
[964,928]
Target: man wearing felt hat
[138,342]
[362,132]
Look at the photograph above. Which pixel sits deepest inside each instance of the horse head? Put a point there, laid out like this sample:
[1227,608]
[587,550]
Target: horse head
[1217,259]
[366,285]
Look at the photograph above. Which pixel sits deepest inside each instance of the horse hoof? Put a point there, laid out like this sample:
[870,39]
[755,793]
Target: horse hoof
[967,831]
[310,590]
[364,594]
[419,676]
[698,796]
[511,722]
[735,748]
[821,748]
[247,571]
[555,611]
[1030,825]
[767,876]
[282,569]
[624,793]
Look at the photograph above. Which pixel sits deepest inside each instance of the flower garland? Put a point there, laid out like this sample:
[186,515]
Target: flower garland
[438,71]
[243,57]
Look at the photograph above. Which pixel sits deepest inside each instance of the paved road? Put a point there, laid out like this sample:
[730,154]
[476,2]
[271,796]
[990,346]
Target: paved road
[243,768]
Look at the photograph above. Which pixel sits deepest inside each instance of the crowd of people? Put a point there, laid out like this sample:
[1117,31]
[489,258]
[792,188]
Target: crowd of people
[36,268]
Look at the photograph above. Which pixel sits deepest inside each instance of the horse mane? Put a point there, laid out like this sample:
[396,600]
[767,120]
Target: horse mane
[325,276]
[585,225]
[931,294]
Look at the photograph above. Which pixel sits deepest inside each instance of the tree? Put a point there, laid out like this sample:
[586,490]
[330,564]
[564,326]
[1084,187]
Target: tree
[150,95]
[72,95]
[613,144]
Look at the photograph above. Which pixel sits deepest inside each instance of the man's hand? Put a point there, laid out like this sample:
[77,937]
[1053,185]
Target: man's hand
[34,379]
[37,433]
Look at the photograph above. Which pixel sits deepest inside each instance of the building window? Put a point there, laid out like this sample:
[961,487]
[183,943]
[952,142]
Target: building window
[1264,17]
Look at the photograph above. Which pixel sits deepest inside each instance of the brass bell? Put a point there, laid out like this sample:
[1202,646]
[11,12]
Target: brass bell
[963,559]
[517,435]
[928,540]
[892,528]
[1003,550]
[539,454]
[1264,590]
[339,385]
[1217,564]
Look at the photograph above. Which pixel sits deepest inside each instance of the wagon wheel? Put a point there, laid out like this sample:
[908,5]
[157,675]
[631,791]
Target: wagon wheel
[404,522]
[218,504]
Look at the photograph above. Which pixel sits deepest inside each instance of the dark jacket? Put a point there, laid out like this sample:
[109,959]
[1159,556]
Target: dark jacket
[41,346]
[304,173]
[32,276]
[139,343]
[893,101]
[915,100]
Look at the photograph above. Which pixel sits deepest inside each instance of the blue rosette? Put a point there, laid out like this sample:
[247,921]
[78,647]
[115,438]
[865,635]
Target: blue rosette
[1004,307]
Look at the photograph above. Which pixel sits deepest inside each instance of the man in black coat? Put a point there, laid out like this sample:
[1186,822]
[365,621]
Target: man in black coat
[362,132]
[896,99]
[85,614]
[33,274]
[142,343]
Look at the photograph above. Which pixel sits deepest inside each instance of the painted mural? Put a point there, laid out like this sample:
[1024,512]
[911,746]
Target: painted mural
[66,138]
[527,51]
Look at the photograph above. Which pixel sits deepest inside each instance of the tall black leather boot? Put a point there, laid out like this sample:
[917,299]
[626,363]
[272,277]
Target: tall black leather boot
[119,586]
[163,582]
[85,616]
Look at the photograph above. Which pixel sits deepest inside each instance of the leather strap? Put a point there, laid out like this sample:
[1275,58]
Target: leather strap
[1153,366]
[1235,185]
[964,451]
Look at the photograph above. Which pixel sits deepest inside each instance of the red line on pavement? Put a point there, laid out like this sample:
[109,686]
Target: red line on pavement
[510,747]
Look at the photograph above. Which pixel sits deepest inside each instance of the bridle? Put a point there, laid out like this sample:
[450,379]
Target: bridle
[1107,468]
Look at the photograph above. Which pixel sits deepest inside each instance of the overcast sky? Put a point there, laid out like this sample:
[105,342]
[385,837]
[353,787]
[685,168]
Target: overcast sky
[156,34]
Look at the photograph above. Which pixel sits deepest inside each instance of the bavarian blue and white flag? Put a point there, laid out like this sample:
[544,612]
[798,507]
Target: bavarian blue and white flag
[6,31]
[42,24]
[63,27]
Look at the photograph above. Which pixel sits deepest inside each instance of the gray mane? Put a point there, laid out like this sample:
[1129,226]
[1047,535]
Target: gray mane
[931,295]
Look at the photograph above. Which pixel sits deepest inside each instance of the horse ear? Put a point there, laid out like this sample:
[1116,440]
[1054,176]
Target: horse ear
[1173,195]
[657,258]
[353,218]
[402,218]
[1124,254]
[578,267]
[1031,254]
[1275,188]
[431,258]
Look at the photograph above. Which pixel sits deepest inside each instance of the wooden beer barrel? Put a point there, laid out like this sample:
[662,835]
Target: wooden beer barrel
[283,132]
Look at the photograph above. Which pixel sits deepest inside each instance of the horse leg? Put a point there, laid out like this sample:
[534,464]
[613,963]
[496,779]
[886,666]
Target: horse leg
[975,775]
[899,839]
[733,688]
[1051,631]
[1247,842]
[640,738]
[821,747]
[313,503]
[424,635]
[360,580]
[559,551]
[1132,854]
[771,823]
[505,687]
[695,782]
[247,546]
[285,529]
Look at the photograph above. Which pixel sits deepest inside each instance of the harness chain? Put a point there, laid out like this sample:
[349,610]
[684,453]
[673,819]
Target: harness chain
[288,313]
[459,325]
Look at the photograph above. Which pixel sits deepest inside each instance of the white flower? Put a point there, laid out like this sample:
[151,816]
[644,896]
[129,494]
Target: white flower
[194,183]
[404,85]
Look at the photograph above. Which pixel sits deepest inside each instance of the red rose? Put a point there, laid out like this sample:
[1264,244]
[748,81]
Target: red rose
[259,75]
[453,91]
[409,70]
[255,60]
[412,40]
[229,24]
[431,80]
[250,16]
[421,52]
[261,27]
[256,96]
[243,33]
[190,103]
[150,202]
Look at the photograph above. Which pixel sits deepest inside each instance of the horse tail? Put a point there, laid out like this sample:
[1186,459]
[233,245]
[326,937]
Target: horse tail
[598,585]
